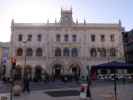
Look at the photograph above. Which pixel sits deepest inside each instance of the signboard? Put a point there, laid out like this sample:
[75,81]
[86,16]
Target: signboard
[83,91]
[72,45]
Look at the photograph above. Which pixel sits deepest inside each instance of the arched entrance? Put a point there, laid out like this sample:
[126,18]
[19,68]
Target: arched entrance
[57,71]
[28,70]
[75,71]
[38,73]
[18,72]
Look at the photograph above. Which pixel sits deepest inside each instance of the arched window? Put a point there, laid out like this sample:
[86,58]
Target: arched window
[112,52]
[39,52]
[19,52]
[66,52]
[38,73]
[93,52]
[102,52]
[29,52]
[58,52]
[74,52]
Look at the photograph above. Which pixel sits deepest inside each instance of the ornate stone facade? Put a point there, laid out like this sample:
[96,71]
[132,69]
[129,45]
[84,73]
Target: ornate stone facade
[66,46]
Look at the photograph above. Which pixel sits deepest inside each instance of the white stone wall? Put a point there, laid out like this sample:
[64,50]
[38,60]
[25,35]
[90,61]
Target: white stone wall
[49,43]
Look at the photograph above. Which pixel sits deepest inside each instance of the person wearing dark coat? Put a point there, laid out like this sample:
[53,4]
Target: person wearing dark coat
[26,82]
[88,88]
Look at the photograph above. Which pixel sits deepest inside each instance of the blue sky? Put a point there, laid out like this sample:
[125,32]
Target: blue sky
[94,11]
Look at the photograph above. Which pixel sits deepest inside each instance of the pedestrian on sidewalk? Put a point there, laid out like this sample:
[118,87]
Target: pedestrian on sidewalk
[88,88]
[26,81]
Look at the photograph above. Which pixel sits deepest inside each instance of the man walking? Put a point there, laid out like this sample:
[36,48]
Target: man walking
[26,81]
[88,88]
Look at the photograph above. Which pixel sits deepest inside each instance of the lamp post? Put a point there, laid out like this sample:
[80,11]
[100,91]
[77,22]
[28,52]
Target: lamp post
[88,82]
[11,85]
[13,62]
[24,42]
[25,57]
[115,84]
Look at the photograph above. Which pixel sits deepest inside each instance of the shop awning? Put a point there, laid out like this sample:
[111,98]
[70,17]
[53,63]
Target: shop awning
[113,65]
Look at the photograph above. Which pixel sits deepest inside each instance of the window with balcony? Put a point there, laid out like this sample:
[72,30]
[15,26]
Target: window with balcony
[38,52]
[93,52]
[66,52]
[58,52]
[29,52]
[19,52]
[74,52]
[102,52]
[113,52]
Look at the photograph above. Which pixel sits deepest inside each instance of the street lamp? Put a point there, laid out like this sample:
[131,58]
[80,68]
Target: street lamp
[115,84]
[24,42]
[88,82]
[13,62]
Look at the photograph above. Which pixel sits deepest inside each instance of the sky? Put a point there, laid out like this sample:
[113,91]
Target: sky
[39,11]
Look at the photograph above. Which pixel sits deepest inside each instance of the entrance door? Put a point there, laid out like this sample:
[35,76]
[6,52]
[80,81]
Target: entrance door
[75,69]
[57,71]
[38,73]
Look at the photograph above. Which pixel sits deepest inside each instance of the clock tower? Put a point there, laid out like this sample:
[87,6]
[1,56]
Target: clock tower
[66,17]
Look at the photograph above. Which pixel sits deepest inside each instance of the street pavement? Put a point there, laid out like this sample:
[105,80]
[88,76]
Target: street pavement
[4,87]
[98,93]
[101,90]
[34,86]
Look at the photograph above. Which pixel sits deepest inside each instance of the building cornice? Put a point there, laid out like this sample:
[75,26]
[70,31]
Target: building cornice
[73,26]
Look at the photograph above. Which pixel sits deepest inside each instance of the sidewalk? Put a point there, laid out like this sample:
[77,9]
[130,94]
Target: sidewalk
[124,92]
[41,95]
